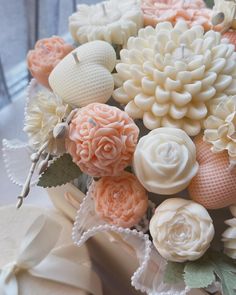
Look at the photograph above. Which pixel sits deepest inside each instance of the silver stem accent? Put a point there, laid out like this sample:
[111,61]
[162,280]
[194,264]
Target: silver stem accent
[75,57]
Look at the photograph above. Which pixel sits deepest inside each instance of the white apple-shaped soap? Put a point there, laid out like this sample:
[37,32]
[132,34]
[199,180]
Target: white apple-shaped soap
[84,75]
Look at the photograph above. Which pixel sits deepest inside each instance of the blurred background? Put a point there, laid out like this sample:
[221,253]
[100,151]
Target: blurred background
[22,22]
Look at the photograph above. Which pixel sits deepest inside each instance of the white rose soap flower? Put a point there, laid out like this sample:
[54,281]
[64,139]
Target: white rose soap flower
[181,230]
[220,126]
[167,74]
[165,161]
[113,21]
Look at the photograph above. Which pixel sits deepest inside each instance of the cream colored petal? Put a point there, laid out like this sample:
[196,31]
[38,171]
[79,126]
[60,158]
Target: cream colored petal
[133,110]
[160,110]
[121,96]
[150,121]
[144,102]
[211,135]
[219,145]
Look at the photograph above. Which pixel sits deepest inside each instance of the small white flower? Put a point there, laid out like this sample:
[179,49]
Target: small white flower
[221,126]
[229,235]
[43,112]
[181,230]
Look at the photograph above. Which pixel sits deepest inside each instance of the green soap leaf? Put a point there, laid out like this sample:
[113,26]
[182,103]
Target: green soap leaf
[225,269]
[173,272]
[199,274]
[61,171]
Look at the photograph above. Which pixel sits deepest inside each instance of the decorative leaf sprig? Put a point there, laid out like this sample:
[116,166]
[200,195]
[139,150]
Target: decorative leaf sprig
[61,171]
[203,272]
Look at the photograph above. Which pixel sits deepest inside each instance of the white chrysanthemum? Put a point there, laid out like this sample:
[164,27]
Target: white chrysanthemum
[167,74]
[229,235]
[43,112]
[221,125]
[113,21]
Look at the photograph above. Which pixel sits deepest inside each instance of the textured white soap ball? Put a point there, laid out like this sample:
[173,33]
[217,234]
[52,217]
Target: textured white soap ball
[88,80]
[167,74]
[165,161]
[229,235]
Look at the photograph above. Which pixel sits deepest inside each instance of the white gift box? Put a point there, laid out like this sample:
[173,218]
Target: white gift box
[38,257]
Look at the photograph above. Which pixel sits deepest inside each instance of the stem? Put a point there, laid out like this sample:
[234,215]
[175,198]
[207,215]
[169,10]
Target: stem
[26,187]
[75,57]
[104,9]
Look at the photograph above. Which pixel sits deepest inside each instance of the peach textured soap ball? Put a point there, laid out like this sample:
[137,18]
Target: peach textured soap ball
[214,186]
[120,200]
[102,140]
[231,36]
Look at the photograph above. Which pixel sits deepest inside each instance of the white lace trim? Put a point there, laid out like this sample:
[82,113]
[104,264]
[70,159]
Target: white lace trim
[17,162]
[149,275]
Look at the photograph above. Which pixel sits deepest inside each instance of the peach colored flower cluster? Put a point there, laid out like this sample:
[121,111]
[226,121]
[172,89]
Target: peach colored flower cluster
[120,200]
[193,12]
[102,140]
[46,54]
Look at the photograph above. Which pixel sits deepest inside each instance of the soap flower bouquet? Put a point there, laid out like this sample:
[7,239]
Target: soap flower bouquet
[157,124]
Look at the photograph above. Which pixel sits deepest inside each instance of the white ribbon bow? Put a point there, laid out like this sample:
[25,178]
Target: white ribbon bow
[35,258]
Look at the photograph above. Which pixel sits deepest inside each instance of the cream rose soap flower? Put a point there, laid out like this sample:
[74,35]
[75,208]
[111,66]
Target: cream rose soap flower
[102,140]
[181,230]
[165,161]
[120,200]
[167,75]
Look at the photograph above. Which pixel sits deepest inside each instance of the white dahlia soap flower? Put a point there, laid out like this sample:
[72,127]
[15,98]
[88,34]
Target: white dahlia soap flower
[43,112]
[113,21]
[229,235]
[181,230]
[220,126]
[167,74]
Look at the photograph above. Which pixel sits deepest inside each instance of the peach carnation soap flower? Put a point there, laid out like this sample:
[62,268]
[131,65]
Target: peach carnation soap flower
[45,56]
[102,140]
[181,230]
[120,200]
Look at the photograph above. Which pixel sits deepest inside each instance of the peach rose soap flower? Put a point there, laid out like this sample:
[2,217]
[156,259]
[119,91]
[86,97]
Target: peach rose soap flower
[102,140]
[46,54]
[120,200]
